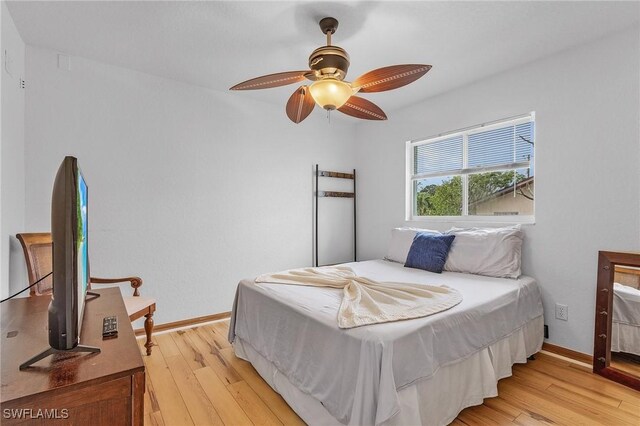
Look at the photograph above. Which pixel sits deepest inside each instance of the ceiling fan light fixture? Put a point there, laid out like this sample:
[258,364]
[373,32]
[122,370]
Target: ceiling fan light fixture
[330,93]
[328,67]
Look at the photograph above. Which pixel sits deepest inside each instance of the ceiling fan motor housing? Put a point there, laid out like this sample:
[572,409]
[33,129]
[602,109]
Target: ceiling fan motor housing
[329,61]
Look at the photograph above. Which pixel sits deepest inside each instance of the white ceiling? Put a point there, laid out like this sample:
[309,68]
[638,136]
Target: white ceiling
[218,44]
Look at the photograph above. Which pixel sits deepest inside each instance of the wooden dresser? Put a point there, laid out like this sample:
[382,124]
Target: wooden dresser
[76,388]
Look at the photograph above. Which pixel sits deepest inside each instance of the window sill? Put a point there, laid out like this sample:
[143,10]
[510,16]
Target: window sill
[510,220]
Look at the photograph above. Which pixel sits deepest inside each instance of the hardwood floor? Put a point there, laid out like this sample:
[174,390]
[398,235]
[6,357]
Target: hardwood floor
[193,377]
[626,362]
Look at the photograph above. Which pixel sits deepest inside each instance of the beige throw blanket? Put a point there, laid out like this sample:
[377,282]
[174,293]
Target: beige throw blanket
[366,301]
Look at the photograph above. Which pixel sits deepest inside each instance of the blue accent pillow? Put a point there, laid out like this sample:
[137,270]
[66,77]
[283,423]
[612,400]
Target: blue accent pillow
[429,251]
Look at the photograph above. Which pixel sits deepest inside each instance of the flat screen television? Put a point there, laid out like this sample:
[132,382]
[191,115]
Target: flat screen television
[69,233]
[70,255]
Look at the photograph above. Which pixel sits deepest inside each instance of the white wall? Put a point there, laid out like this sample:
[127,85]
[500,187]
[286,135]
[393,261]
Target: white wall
[12,184]
[193,189]
[190,189]
[4,286]
[587,104]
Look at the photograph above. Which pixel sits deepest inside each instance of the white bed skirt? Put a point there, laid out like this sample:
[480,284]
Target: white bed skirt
[436,400]
[625,338]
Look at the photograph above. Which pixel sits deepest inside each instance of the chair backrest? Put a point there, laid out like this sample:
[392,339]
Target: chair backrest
[39,257]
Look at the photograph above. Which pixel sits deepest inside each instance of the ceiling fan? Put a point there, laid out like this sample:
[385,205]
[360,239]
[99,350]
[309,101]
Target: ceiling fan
[328,69]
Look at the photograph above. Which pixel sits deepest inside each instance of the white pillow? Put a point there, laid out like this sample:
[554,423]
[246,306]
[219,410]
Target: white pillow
[495,252]
[401,239]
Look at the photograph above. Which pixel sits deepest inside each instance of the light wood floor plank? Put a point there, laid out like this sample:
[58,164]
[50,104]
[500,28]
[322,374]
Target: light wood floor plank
[157,419]
[198,365]
[220,332]
[147,399]
[479,416]
[588,381]
[631,409]
[212,357]
[150,398]
[194,358]
[213,336]
[535,401]
[603,412]
[169,347]
[172,406]
[268,395]
[252,405]
[227,407]
[532,377]
[526,420]
[502,406]
[581,367]
[195,398]
[554,359]
[490,415]
[601,397]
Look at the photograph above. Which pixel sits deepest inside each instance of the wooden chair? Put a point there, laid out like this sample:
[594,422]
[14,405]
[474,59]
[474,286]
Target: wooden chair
[38,255]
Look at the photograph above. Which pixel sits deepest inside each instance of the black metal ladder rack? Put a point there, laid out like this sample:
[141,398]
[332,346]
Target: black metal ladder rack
[336,194]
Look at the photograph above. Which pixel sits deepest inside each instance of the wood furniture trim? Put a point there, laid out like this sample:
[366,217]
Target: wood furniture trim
[630,271]
[105,388]
[185,323]
[607,261]
[568,353]
[29,240]
[325,173]
[136,282]
[335,194]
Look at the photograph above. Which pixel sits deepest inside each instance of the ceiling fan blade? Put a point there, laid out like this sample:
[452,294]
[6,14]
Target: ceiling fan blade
[361,108]
[300,104]
[389,78]
[271,80]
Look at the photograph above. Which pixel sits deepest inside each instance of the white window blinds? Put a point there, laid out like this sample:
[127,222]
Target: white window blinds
[472,171]
[502,146]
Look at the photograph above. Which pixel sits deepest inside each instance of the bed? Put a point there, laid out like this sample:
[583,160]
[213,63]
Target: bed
[420,371]
[625,325]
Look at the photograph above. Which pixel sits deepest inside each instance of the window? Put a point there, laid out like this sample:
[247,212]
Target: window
[485,172]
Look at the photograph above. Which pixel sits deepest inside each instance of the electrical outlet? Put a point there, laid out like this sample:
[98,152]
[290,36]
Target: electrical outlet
[562,312]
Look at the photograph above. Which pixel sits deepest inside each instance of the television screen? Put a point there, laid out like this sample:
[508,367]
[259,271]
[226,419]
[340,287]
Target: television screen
[81,245]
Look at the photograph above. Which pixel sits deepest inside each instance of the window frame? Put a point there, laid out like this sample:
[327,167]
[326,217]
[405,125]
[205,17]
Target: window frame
[464,172]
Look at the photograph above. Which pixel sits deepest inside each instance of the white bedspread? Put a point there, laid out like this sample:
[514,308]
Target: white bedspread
[356,373]
[365,301]
[626,305]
